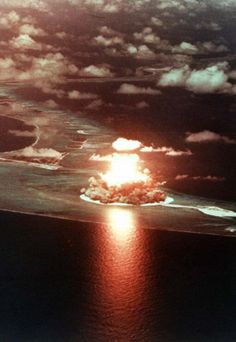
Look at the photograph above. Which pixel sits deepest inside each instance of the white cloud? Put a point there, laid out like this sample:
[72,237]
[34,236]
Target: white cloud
[76,95]
[185,47]
[142,105]
[7,68]
[9,20]
[38,153]
[24,41]
[107,31]
[181,177]
[94,2]
[61,35]
[156,21]
[95,104]
[111,8]
[209,80]
[50,68]
[208,136]
[175,77]
[139,51]
[145,52]
[34,4]
[31,30]
[209,178]
[212,26]
[199,48]
[131,49]
[98,157]
[96,71]
[207,47]
[50,104]
[106,41]
[147,36]
[44,72]
[127,88]
[168,151]
[178,153]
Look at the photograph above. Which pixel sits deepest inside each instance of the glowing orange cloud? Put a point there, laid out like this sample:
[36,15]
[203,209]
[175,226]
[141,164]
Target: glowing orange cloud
[122,144]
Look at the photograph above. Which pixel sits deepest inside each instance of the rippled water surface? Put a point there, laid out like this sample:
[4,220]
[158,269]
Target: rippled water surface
[71,281]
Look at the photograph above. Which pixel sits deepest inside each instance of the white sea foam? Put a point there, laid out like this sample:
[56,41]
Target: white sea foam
[207,210]
[167,201]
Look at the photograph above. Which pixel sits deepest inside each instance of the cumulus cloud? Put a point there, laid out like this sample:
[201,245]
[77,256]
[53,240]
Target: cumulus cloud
[108,41]
[208,136]
[156,21]
[207,47]
[199,48]
[138,51]
[111,8]
[31,30]
[96,71]
[185,47]
[211,25]
[175,77]
[142,105]
[114,6]
[168,151]
[127,88]
[98,157]
[76,95]
[24,41]
[104,6]
[48,69]
[95,104]
[7,69]
[209,80]
[38,155]
[209,178]
[39,5]
[45,72]
[107,31]
[50,104]
[143,51]
[9,20]
[61,35]
[147,36]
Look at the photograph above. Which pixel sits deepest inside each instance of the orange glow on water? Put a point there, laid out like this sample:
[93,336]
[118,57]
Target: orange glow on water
[122,226]
[124,169]
[121,288]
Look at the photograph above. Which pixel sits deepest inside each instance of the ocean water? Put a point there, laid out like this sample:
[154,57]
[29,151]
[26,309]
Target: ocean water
[72,281]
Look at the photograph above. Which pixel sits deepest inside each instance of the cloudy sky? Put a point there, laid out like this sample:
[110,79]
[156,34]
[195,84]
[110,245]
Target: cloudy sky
[47,42]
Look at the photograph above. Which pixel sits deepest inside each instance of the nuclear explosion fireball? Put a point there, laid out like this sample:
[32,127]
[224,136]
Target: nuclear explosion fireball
[125,181]
[125,170]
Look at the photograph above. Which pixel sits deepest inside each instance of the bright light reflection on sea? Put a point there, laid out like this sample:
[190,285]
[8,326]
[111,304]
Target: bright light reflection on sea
[122,227]
[121,283]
